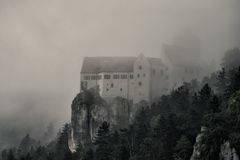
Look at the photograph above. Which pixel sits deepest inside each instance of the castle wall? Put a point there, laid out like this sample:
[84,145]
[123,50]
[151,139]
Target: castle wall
[148,81]
[90,80]
[119,84]
[160,77]
[182,74]
[142,79]
[110,84]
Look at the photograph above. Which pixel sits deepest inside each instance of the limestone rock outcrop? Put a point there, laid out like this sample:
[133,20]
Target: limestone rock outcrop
[89,111]
[227,152]
[197,145]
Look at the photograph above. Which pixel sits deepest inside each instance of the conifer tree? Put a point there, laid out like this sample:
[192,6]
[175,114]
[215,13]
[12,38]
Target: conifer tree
[104,149]
[10,155]
[62,150]
[183,149]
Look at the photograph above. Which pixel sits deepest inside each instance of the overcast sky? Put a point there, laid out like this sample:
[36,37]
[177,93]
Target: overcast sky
[43,42]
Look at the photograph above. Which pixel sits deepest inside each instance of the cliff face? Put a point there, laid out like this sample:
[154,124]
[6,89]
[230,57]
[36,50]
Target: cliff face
[89,111]
[226,153]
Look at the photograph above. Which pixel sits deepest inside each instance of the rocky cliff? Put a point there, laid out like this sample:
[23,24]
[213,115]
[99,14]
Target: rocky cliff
[89,111]
[226,153]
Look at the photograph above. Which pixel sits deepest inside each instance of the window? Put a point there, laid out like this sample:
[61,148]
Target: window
[107,89]
[131,76]
[167,77]
[107,76]
[140,67]
[144,75]
[123,76]
[161,72]
[112,85]
[140,83]
[115,76]
[153,71]
[121,89]
[86,77]
[93,77]
[138,75]
[99,77]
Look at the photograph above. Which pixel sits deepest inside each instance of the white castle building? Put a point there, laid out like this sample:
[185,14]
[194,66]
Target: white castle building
[134,78]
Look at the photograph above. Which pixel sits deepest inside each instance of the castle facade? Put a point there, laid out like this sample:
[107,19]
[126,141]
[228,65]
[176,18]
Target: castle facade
[134,78]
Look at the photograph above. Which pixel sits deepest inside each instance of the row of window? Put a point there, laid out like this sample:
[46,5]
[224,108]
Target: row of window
[108,89]
[140,68]
[93,77]
[154,72]
[108,76]
[115,76]
[138,75]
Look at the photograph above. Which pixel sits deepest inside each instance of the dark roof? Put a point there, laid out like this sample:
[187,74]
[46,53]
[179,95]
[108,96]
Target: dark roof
[112,64]
[107,64]
[180,56]
[155,61]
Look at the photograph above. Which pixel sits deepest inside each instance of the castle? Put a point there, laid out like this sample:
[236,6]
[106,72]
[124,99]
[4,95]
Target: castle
[133,78]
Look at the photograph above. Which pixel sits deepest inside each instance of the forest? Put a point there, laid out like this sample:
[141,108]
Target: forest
[165,130]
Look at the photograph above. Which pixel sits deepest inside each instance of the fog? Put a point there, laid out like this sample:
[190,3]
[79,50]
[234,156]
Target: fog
[43,42]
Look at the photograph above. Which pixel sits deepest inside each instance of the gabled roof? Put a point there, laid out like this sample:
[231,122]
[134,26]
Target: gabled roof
[112,64]
[107,64]
[155,61]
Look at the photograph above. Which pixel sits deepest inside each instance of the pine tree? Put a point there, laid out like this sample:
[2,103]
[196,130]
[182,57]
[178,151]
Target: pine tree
[234,82]
[141,126]
[10,155]
[26,145]
[204,97]
[183,149]
[214,105]
[160,138]
[222,82]
[62,150]
[104,149]
[4,154]
[89,155]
